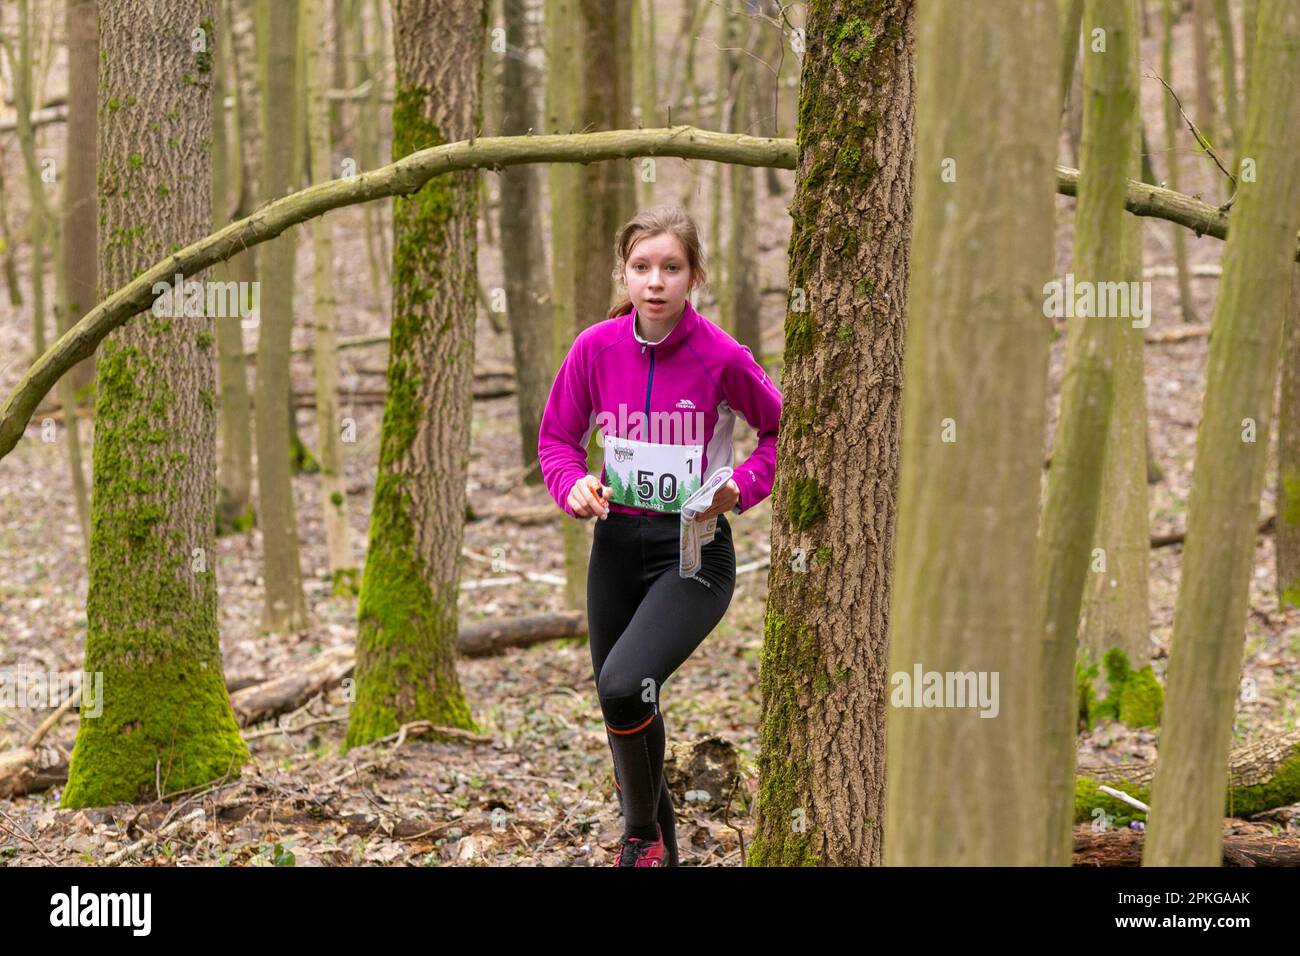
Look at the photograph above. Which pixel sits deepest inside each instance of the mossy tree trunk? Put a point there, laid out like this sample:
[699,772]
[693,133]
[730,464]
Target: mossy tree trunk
[166,722]
[407,614]
[285,608]
[1116,611]
[235,466]
[973,418]
[338,538]
[821,788]
[522,250]
[1093,348]
[1231,445]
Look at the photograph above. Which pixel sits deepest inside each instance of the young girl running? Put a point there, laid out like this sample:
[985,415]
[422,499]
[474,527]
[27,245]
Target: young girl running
[663,385]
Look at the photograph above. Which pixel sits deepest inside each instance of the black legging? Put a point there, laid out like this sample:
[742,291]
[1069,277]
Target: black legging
[644,620]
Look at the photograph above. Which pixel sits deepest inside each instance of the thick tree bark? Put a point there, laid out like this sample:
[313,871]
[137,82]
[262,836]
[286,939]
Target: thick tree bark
[823,668]
[285,608]
[338,539]
[522,249]
[1116,606]
[973,418]
[166,722]
[1231,444]
[407,613]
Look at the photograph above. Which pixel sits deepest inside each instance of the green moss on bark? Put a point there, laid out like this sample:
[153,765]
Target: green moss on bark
[404,628]
[807,504]
[1134,698]
[166,718]
[783,783]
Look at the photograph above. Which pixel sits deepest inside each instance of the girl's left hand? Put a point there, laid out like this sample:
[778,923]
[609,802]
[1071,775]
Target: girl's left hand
[724,499]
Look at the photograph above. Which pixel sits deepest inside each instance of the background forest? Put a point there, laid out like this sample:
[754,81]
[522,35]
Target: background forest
[509,766]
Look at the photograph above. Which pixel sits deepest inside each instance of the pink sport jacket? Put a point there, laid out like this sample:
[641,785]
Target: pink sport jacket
[684,389]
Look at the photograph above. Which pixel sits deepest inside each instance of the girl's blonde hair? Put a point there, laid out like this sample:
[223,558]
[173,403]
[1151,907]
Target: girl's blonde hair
[651,222]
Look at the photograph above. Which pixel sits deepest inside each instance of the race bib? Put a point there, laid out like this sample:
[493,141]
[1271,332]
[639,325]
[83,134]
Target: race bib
[651,476]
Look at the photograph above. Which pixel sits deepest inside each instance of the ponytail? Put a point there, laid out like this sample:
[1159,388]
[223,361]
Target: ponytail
[623,306]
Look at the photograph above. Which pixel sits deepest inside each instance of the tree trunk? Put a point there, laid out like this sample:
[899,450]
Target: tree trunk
[1116,606]
[1250,21]
[79,219]
[8,247]
[1206,650]
[22,70]
[973,420]
[407,614]
[166,722]
[235,467]
[1287,541]
[1228,61]
[563,98]
[767,112]
[1071,18]
[743,299]
[1172,128]
[726,37]
[1202,22]
[285,608]
[823,668]
[338,540]
[522,250]
[248,99]
[1093,352]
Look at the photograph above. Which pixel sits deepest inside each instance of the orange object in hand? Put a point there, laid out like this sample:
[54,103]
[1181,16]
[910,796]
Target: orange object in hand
[599,490]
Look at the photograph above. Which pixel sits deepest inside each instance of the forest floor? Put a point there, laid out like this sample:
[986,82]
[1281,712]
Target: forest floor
[537,790]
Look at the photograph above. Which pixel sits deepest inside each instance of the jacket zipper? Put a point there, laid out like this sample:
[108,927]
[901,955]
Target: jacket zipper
[649,380]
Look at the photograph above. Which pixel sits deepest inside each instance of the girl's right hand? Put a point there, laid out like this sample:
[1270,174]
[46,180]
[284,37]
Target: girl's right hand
[588,498]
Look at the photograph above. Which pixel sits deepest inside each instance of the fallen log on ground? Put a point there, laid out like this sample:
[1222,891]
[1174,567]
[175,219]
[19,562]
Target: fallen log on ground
[481,640]
[31,768]
[1123,847]
[1263,775]
[1178,537]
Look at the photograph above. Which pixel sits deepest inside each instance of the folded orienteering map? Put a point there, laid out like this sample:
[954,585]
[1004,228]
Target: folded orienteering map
[695,534]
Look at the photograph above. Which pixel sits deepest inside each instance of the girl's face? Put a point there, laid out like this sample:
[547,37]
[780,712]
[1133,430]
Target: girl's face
[658,277]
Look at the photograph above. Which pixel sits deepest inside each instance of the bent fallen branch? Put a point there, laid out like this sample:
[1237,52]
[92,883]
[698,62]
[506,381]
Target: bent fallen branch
[408,174]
